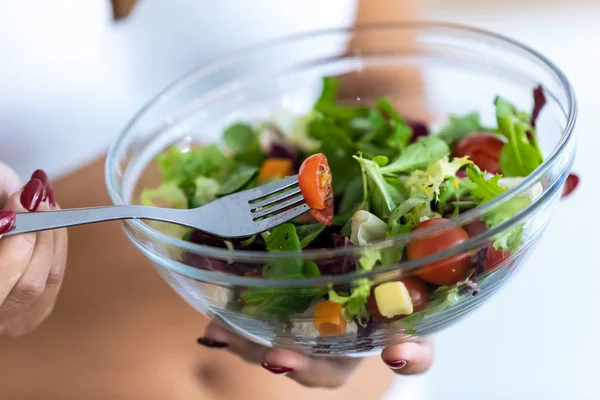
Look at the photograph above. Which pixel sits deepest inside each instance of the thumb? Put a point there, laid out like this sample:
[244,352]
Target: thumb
[9,183]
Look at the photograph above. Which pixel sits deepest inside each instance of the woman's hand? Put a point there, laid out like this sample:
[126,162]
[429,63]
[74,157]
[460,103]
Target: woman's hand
[405,359]
[31,265]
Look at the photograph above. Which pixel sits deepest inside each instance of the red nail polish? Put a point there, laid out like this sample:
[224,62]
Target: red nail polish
[570,184]
[7,220]
[395,364]
[42,177]
[211,343]
[276,370]
[32,194]
[51,196]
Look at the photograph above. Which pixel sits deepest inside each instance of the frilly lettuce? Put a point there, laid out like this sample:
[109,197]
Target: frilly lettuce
[355,301]
[429,181]
[485,191]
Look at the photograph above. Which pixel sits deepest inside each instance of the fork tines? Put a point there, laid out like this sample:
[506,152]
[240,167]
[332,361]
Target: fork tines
[277,197]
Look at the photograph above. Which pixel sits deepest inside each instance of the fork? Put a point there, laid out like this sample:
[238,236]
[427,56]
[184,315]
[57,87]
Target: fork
[237,215]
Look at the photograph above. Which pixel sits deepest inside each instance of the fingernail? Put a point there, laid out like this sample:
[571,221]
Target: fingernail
[276,370]
[7,220]
[395,364]
[51,196]
[32,194]
[42,177]
[570,184]
[211,343]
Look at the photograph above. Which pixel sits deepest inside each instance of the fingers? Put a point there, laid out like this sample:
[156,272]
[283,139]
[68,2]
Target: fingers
[219,337]
[409,358]
[7,220]
[31,265]
[308,371]
[32,282]
[325,372]
[16,251]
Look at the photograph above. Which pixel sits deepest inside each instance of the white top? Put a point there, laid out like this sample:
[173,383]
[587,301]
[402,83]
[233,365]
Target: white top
[538,337]
[70,77]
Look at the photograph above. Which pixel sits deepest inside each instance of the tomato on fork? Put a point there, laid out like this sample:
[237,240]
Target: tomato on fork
[315,180]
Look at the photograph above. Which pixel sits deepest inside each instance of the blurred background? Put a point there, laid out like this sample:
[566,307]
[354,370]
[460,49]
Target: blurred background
[71,77]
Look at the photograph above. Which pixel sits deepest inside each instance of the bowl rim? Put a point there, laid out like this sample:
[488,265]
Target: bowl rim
[246,255]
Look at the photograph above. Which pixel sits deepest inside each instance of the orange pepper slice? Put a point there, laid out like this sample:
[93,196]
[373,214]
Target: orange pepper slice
[328,319]
[273,168]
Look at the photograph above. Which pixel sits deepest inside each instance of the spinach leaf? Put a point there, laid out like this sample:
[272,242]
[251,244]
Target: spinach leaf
[309,232]
[278,306]
[283,238]
[244,142]
[238,179]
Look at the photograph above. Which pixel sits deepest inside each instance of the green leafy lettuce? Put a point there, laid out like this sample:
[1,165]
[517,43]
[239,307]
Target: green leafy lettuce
[418,155]
[355,301]
[522,154]
[283,302]
[459,127]
[488,189]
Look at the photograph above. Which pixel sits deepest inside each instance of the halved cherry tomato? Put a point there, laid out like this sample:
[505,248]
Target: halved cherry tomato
[446,271]
[495,259]
[314,180]
[273,168]
[324,216]
[483,149]
[419,295]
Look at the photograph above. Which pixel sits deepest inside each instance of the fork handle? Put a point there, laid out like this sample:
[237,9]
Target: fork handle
[47,220]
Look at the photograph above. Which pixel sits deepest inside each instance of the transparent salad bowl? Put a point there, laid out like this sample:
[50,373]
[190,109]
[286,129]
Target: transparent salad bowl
[430,70]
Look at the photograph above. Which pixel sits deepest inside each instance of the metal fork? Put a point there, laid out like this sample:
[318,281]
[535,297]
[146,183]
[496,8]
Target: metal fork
[237,215]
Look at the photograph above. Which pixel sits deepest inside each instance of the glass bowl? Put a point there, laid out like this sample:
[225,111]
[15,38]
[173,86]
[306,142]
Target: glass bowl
[430,70]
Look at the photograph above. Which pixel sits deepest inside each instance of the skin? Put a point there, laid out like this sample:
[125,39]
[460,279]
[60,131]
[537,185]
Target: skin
[31,266]
[30,281]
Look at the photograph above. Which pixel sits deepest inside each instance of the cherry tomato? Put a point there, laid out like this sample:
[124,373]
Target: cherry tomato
[324,216]
[483,149]
[495,259]
[419,296]
[446,271]
[314,180]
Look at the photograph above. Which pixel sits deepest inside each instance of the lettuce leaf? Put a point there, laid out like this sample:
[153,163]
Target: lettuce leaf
[460,126]
[522,154]
[429,181]
[355,301]
[367,228]
[386,191]
[166,195]
[485,191]
[418,155]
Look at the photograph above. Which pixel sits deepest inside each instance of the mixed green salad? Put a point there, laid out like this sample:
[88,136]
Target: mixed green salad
[369,174]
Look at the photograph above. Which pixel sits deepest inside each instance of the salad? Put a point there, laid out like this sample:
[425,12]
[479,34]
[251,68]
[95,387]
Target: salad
[369,174]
